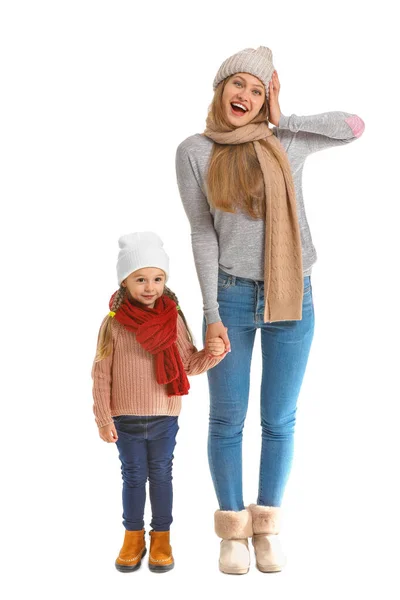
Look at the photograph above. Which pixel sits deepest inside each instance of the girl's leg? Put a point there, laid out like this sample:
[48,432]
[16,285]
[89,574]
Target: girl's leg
[285,350]
[132,447]
[161,435]
[229,384]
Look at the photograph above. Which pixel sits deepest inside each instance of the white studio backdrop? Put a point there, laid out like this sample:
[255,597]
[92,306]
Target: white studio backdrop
[95,98]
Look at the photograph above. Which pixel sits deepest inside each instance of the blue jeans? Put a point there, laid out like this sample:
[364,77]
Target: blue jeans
[285,349]
[146,446]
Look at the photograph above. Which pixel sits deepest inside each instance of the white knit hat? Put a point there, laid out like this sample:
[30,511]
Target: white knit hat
[140,250]
[257,62]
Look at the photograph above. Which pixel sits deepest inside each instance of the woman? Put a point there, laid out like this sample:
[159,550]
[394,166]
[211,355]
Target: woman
[240,184]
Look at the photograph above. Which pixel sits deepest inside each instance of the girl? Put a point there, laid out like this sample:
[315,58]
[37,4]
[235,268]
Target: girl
[144,355]
[240,184]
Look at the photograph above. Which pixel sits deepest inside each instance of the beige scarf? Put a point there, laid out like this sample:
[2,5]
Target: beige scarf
[283,270]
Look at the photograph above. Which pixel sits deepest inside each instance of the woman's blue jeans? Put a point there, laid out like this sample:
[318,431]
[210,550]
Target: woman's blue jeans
[285,349]
[146,446]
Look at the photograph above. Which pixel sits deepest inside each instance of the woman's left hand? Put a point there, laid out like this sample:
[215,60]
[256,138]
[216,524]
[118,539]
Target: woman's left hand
[273,102]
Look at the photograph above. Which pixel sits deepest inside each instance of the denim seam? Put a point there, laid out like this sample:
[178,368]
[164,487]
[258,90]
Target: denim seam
[260,487]
[215,481]
[258,295]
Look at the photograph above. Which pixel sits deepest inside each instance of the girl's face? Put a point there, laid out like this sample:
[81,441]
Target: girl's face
[242,99]
[146,285]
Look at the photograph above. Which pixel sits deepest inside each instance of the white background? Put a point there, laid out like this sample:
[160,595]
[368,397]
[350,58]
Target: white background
[95,98]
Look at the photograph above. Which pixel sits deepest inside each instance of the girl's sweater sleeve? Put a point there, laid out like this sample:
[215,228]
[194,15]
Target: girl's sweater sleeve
[194,361]
[102,382]
[203,234]
[317,132]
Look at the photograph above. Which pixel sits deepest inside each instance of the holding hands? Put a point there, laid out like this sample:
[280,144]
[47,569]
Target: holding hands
[215,346]
[217,340]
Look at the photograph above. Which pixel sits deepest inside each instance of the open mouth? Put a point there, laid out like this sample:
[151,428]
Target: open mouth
[238,109]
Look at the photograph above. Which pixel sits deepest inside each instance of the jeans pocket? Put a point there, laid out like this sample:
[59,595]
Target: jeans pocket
[224,281]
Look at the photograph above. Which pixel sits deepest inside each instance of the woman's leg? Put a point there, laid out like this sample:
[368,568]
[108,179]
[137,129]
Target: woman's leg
[161,434]
[229,385]
[285,350]
[132,447]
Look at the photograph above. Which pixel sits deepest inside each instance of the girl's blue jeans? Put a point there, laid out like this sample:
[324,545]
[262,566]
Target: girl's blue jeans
[146,446]
[285,349]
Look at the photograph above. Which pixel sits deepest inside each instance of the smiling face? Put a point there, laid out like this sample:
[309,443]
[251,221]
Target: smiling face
[145,285]
[242,99]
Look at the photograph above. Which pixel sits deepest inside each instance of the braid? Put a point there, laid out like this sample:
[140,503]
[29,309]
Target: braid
[104,344]
[119,298]
[173,297]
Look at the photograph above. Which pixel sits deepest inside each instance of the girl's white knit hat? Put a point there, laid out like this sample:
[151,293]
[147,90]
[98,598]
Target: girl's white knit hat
[257,62]
[140,250]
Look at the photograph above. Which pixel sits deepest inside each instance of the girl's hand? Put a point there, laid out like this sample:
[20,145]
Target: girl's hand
[218,330]
[108,433]
[215,346]
[273,103]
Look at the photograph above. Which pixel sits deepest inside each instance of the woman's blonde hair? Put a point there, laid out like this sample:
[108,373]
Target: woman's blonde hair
[104,343]
[234,179]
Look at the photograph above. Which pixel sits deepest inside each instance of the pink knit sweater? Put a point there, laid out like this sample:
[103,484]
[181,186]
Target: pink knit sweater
[124,383]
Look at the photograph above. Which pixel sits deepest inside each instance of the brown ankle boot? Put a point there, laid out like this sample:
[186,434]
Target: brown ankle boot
[160,557]
[132,552]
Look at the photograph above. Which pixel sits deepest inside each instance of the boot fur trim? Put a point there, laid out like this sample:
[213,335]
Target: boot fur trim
[266,519]
[232,524]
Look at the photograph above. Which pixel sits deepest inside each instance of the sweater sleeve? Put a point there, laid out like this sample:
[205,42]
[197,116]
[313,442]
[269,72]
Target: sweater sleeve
[203,234]
[102,382]
[317,132]
[195,362]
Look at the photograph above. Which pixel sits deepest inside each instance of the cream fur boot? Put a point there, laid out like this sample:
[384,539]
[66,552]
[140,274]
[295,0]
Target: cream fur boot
[234,527]
[267,547]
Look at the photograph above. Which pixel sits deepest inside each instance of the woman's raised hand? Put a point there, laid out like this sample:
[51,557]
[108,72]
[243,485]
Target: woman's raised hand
[218,330]
[273,101]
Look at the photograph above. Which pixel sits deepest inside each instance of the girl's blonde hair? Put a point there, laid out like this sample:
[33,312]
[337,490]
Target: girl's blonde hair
[104,343]
[234,178]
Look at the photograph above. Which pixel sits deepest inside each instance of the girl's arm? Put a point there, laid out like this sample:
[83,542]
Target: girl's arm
[204,237]
[102,381]
[194,361]
[317,132]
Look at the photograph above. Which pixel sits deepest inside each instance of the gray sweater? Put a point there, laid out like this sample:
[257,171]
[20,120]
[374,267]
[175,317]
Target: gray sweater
[234,241]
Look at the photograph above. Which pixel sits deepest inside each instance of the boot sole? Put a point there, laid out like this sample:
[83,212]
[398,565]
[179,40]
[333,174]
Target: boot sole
[233,570]
[271,569]
[127,568]
[161,568]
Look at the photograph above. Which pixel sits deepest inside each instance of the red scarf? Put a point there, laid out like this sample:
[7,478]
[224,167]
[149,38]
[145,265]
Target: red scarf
[156,332]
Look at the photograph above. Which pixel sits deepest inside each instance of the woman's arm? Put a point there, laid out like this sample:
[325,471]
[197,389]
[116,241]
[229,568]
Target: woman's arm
[323,130]
[204,237]
[195,362]
[311,133]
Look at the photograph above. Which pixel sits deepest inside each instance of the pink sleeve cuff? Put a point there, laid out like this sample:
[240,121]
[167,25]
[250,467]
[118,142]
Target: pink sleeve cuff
[357,125]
